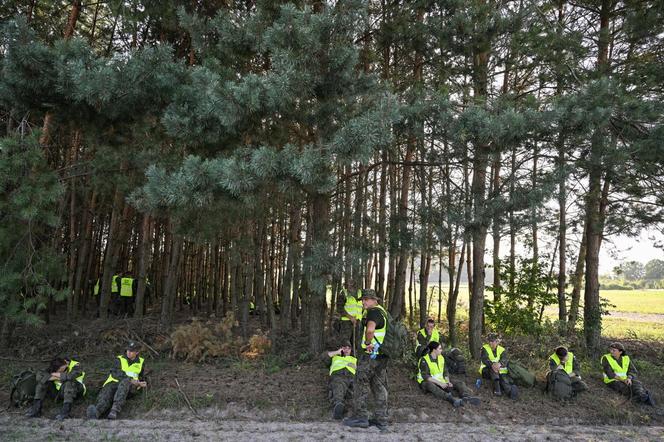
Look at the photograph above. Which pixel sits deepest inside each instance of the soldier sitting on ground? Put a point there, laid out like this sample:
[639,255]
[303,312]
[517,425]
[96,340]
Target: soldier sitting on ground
[64,377]
[620,374]
[434,378]
[563,363]
[342,365]
[493,366]
[125,379]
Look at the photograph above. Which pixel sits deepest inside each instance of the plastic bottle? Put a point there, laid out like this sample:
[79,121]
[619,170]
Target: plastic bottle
[374,353]
[478,383]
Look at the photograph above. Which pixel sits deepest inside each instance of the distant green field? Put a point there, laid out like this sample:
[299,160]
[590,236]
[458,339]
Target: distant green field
[636,301]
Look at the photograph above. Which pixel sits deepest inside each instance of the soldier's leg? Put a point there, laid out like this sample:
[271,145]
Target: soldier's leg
[488,373]
[44,385]
[338,387]
[379,389]
[578,385]
[70,391]
[124,388]
[461,388]
[105,398]
[620,387]
[361,386]
[639,393]
[438,392]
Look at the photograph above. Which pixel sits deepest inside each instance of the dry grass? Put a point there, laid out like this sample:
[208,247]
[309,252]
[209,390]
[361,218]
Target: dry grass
[196,342]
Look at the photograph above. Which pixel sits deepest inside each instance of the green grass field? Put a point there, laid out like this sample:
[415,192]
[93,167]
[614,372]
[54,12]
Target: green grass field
[631,302]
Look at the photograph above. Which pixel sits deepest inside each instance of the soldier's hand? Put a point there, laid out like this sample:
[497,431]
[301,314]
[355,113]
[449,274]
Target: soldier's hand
[369,348]
[55,375]
[142,384]
[628,381]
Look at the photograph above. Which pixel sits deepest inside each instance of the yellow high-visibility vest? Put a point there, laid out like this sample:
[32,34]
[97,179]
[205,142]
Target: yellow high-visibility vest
[70,367]
[493,358]
[353,305]
[132,370]
[620,372]
[435,336]
[569,364]
[436,368]
[126,285]
[343,363]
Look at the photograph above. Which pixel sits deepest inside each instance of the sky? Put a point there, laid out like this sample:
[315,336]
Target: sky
[620,249]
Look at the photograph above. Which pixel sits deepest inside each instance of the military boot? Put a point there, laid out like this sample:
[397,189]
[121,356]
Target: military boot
[92,412]
[650,400]
[113,414]
[338,412]
[35,409]
[64,413]
[496,388]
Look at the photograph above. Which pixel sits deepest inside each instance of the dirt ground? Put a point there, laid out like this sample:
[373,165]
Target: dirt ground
[176,427]
[283,396]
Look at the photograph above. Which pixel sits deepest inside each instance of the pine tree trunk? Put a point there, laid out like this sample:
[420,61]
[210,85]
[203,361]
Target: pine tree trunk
[453,295]
[171,282]
[111,255]
[143,264]
[83,252]
[319,279]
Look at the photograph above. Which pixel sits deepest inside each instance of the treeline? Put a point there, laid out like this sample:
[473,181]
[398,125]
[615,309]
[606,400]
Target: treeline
[259,151]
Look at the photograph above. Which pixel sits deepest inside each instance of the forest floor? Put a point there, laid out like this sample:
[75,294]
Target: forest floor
[283,395]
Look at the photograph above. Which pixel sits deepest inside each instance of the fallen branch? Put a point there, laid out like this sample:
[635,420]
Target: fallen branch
[144,343]
[186,399]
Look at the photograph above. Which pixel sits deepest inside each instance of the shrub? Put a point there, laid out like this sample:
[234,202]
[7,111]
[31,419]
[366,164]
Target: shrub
[196,342]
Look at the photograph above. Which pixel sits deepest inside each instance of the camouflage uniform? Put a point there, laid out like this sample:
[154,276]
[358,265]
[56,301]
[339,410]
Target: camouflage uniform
[636,391]
[113,395]
[69,391]
[371,375]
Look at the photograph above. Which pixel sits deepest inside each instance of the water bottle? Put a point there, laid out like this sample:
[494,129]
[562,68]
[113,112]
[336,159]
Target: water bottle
[478,383]
[374,353]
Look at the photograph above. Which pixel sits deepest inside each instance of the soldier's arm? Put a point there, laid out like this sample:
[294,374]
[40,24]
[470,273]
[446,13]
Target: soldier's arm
[75,372]
[631,370]
[424,369]
[552,365]
[326,358]
[484,357]
[421,340]
[504,359]
[117,372]
[576,367]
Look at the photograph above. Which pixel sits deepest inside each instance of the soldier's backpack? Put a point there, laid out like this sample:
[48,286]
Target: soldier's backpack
[455,361]
[560,385]
[22,388]
[520,375]
[396,341]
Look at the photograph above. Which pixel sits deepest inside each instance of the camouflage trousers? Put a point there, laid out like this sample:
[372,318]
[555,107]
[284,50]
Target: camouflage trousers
[371,376]
[340,382]
[636,391]
[69,390]
[504,380]
[447,394]
[114,395]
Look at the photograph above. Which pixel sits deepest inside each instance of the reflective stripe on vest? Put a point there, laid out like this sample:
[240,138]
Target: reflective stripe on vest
[343,362]
[114,284]
[353,306]
[126,287]
[436,369]
[569,364]
[379,333]
[132,370]
[492,358]
[79,379]
[435,336]
[620,372]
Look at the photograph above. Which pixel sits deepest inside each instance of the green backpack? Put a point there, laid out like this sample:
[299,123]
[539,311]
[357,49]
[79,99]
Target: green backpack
[396,341]
[22,388]
[520,375]
[560,385]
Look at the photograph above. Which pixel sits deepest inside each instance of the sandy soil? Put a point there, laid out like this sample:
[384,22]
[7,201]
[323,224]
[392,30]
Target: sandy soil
[170,428]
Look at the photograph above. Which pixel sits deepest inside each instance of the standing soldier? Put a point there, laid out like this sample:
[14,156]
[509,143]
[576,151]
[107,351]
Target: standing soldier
[372,366]
[351,313]
[494,367]
[342,365]
[620,375]
[127,291]
[124,380]
[426,335]
[63,377]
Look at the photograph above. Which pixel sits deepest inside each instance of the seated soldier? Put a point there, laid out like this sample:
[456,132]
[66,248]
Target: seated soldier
[433,378]
[426,335]
[564,360]
[124,380]
[493,366]
[342,365]
[64,377]
[620,375]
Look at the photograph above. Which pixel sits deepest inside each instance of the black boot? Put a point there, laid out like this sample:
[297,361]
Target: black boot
[64,413]
[35,410]
[650,400]
[496,388]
